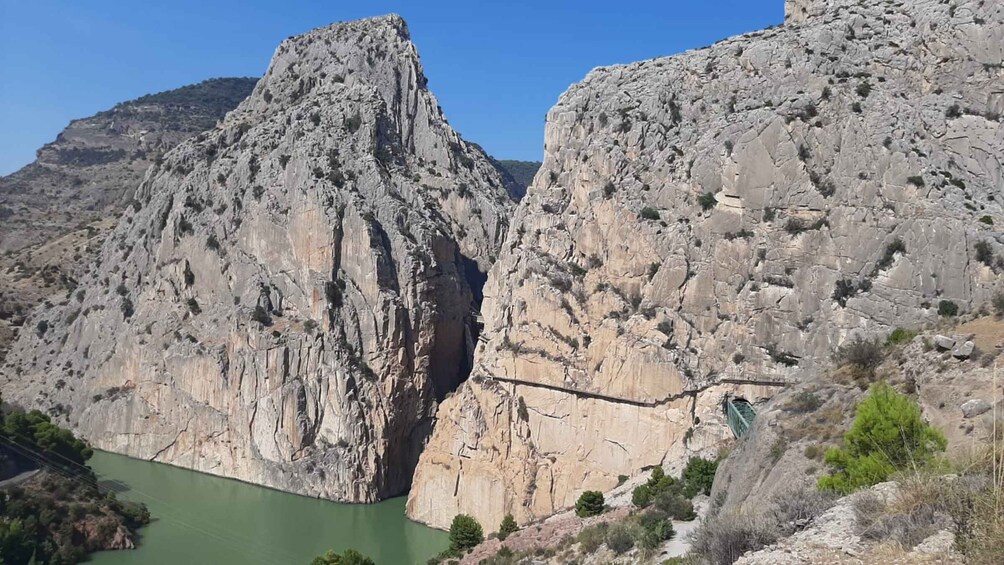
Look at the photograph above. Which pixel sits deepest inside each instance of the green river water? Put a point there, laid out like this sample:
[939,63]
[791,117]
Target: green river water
[199,519]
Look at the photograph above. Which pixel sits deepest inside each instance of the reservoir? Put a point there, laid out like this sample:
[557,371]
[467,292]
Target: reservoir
[201,519]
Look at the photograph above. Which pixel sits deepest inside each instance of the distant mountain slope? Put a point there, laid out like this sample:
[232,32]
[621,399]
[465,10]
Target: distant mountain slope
[54,212]
[522,171]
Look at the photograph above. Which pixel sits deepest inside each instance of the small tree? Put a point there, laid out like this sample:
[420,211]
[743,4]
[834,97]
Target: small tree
[465,533]
[698,476]
[888,434]
[507,527]
[590,503]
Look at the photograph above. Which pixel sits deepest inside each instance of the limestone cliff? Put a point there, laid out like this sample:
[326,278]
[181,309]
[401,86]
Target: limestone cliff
[706,223]
[292,291]
[56,211]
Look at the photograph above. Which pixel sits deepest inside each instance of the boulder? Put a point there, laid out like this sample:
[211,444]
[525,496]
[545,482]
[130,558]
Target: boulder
[975,407]
[963,350]
[944,342]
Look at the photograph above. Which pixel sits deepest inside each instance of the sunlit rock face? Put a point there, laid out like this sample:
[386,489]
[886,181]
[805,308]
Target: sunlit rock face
[729,214]
[292,293]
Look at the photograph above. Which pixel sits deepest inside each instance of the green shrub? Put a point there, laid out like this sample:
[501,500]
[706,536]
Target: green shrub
[507,527]
[987,220]
[350,557]
[984,253]
[675,505]
[619,539]
[590,503]
[900,336]
[887,435]
[641,496]
[654,528]
[698,476]
[591,538]
[261,316]
[948,308]
[649,213]
[465,533]
[707,201]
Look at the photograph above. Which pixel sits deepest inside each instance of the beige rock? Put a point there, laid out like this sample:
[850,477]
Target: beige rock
[292,297]
[728,215]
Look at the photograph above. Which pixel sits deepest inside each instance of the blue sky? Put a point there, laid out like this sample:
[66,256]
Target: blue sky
[496,66]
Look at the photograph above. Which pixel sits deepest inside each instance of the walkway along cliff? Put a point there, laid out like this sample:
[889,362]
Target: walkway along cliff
[731,213]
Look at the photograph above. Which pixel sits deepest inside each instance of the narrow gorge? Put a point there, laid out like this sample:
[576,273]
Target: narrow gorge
[332,293]
[291,292]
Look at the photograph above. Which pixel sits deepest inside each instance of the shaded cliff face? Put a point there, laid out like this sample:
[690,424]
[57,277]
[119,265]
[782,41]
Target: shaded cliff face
[291,293]
[55,212]
[727,215]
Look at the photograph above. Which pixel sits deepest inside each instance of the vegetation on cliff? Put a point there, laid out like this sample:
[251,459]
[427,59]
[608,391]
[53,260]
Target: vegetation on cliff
[61,514]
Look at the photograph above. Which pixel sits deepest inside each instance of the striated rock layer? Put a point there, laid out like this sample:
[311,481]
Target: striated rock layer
[292,292]
[707,223]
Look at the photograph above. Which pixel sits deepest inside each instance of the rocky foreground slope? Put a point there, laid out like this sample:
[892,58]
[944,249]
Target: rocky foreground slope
[291,293]
[708,222]
[56,211]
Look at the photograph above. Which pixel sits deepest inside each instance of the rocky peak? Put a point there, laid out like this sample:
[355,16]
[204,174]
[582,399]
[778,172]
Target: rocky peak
[292,293]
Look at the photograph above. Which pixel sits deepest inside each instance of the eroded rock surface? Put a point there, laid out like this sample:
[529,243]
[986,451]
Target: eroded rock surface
[728,215]
[56,211]
[292,292]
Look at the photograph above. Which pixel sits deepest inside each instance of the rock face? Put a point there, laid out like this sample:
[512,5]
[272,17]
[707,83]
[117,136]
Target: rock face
[55,212]
[722,217]
[291,294]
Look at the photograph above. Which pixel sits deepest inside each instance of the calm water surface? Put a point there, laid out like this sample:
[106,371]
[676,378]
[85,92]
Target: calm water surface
[204,520]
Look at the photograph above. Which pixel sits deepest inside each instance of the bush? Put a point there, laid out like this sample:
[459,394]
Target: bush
[465,533]
[641,496]
[862,353]
[619,539]
[655,528]
[649,213]
[984,253]
[723,539]
[948,308]
[803,401]
[590,503]
[900,336]
[591,538]
[261,316]
[507,527]
[675,505]
[350,557]
[698,476]
[887,435]
[707,201]
[998,303]
[193,307]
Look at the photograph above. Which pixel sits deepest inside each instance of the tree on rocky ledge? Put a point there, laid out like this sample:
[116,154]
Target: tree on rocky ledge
[590,503]
[465,533]
[507,527]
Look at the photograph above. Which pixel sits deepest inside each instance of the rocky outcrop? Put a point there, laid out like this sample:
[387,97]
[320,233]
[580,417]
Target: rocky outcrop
[292,292]
[722,217]
[55,212]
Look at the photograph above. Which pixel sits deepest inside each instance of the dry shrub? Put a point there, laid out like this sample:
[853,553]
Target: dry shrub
[909,519]
[793,510]
[722,539]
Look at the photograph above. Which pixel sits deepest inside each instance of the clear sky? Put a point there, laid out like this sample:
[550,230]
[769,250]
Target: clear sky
[496,66]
